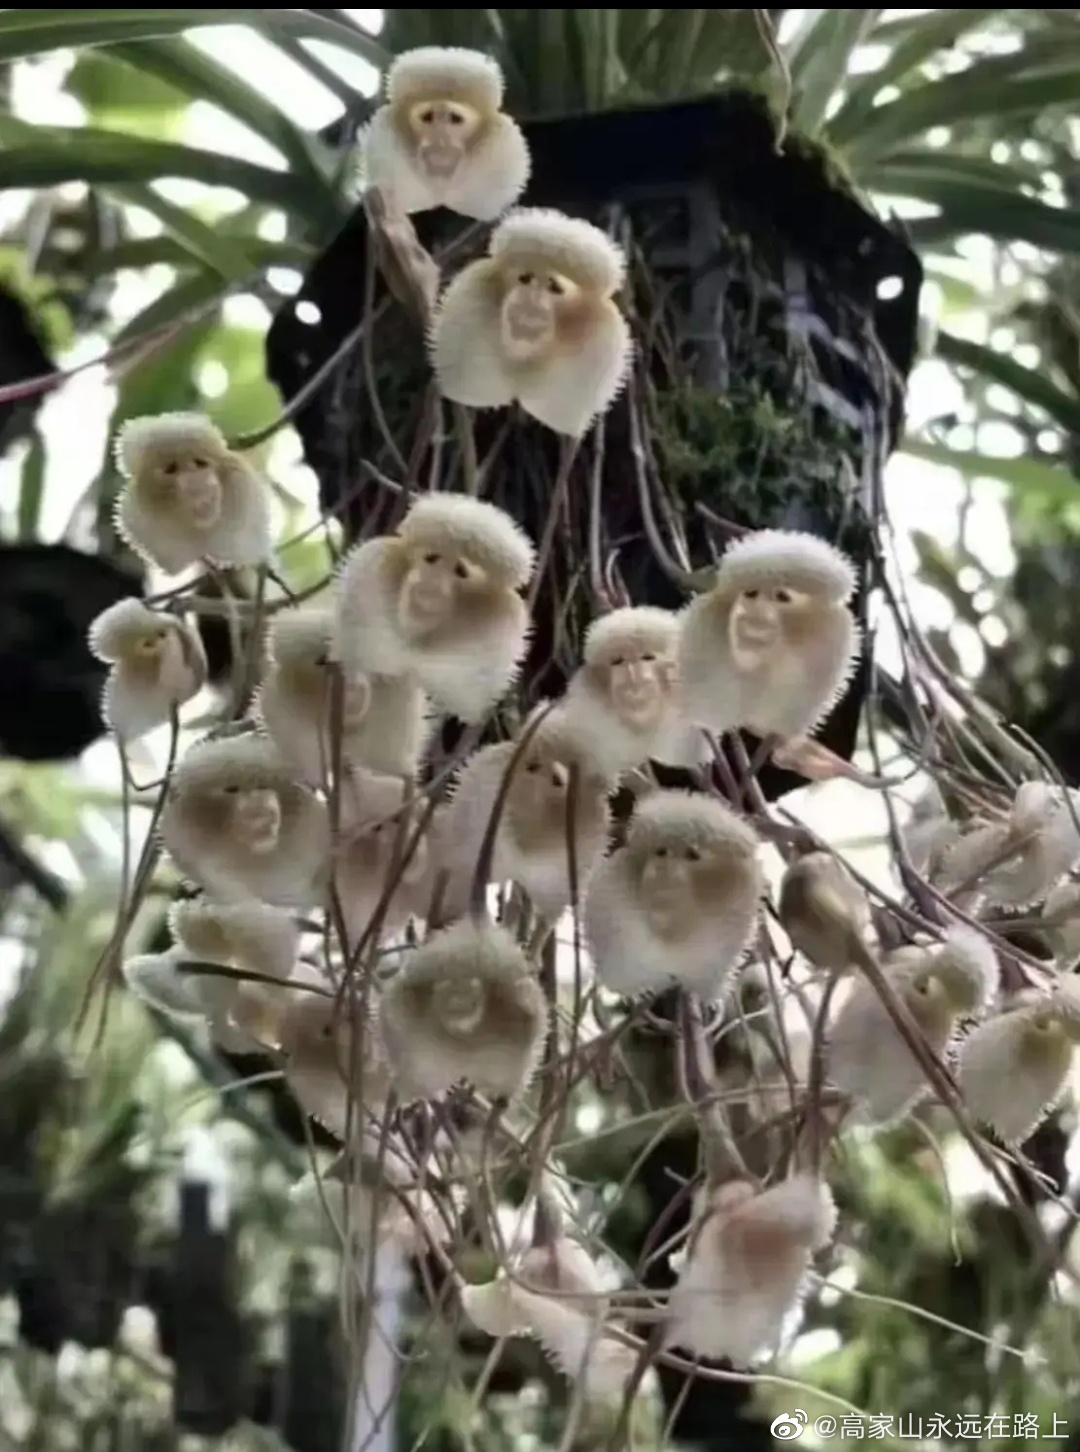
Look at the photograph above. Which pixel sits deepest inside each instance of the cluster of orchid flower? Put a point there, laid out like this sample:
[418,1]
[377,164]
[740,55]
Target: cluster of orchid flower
[344,897]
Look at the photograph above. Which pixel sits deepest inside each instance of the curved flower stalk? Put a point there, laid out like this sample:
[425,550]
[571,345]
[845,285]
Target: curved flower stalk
[464,1006]
[555,1293]
[441,139]
[1015,863]
[940,985]
[929,834]
[679,902]
[624,703]
[531,840]
[157,665]
[744,1268]
[1061,918]
[250,937]
[237,822]
[334,1062]
[384,723]
[825,912]
[535,321]
[1014,1069]
[438,602]
[187,496]
[773,644]
[371,1193]
[159,980]
[378,823]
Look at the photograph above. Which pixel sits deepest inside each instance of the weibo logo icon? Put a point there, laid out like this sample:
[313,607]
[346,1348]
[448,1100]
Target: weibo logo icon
[788,1426]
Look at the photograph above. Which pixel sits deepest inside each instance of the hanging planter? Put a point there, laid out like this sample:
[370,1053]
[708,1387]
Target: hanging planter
[774,319]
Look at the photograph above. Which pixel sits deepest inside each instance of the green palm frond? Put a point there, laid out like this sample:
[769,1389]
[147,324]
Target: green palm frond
[962,112]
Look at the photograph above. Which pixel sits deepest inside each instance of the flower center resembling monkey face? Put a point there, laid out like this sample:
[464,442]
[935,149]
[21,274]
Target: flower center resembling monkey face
[160,654]
[638,685]
[431,588]
[460,1004]
[539,789]
[442,132]
[759,619]
[255,818]
[193,481]
[929,1002]
[531,308]
[667,890]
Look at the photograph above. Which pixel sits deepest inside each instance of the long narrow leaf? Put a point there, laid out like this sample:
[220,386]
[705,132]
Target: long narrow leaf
[820,62]
[1021,474]
[938,170]
[968,207]
[190,71]
[1027,383]
[143,252]
[49,155]
[341,33]
[1002,86]
[932,35]
[31,488]
[33,32]
[222,253]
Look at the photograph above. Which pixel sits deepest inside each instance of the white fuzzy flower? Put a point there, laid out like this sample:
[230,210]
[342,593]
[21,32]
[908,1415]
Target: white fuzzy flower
[533,834]
[384,724]
[1061,914]
[159,980]
[442,139]
[464,1006]
[187,496]
[745,1265]
[157,664]
[556,1295]
[679,902]
[377,826]
[1014,1069]
[1016,862]
[334,1063]
[940,985]
[535,321]
[624,703]
[438,602]
[772,645]
[237,822]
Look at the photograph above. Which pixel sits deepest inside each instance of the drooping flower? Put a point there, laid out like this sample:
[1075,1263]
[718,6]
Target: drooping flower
[532,842]
[744,1268]
[438,602]
[555,1293]
[624,703]
[536,321]
[825,912]
[465,1005]
[1014,1068]
[384,723]
[772,645]
[188,496]
[940,985]
[677,903]
[1015,862]
[441,139]
[157,664]
[238,822]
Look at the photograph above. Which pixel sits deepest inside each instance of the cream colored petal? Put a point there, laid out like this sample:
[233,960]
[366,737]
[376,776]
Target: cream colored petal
[465,343]
[493,176]
[570,390]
